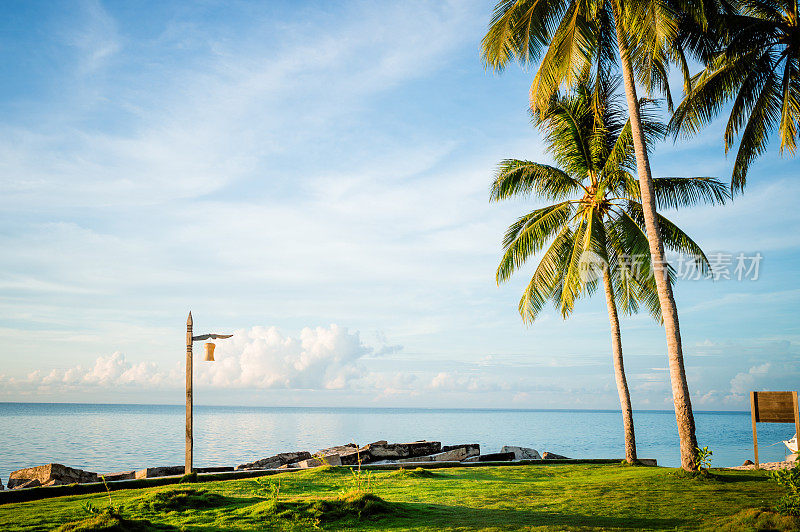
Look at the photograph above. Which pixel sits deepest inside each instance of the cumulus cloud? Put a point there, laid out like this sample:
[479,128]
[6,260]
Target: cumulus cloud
[320,358]
[258,358]
[744,382]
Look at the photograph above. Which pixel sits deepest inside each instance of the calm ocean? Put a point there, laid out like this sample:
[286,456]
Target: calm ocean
[108,438]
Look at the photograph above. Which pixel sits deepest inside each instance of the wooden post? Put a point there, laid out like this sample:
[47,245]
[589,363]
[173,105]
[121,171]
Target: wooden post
[796,421]
[773,407]
[189,437]
[753,410]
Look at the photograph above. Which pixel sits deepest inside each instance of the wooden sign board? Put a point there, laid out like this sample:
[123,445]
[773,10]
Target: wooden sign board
[773,407]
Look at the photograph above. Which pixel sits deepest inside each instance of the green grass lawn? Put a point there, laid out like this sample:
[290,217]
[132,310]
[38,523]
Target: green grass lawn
[546,497]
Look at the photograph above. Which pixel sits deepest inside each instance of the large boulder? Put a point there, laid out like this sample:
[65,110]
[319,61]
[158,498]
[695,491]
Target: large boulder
[49,475]
[553,456]
[521,453]
[275,462]
[395,451]
[348,454]
[1,484]
[472,449]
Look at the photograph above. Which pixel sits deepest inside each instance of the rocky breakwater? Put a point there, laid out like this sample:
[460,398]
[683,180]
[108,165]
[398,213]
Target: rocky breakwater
[378,452]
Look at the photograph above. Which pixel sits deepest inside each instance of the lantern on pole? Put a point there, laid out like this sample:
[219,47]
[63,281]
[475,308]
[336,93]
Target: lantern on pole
[209,357]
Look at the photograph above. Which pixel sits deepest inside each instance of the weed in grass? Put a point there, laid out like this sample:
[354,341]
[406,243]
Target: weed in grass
[268,490]
[180,499]
[111,510]
[789,504]
[361,480]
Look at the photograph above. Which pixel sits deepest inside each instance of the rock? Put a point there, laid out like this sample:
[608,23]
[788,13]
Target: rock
[648,461]
[496,457]
[457,454]
[349,454]
[394,451]
[521,453]
[331,459]
[472,449]
[748,462]
[122,475]
[472,459]
[50,475]
[275,462]
[553,456]
[1,484]
[792,458]
[338,449]
[33,483]
[166,471]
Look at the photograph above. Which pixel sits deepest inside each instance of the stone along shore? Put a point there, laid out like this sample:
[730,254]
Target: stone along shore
[379,452]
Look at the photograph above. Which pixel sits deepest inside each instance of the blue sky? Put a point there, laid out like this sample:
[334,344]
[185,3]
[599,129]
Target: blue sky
[313,177]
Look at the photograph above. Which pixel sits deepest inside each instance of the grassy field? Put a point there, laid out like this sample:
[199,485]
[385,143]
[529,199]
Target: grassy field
[547,497]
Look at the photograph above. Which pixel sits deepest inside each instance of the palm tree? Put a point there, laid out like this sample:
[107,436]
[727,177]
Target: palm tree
[756,64]
[597,218]
[578,36]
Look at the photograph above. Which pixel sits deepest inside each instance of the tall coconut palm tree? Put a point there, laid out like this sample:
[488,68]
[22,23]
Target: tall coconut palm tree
[577,37]
[757,65]
[597,220]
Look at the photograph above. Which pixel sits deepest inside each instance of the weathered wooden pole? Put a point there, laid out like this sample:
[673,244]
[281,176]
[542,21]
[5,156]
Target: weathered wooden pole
[189,437]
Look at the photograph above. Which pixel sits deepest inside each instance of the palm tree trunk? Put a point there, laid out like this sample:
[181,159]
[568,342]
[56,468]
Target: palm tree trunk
[619,371]
[669,311]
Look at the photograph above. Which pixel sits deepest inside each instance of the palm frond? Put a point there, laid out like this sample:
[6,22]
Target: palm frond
[515,177]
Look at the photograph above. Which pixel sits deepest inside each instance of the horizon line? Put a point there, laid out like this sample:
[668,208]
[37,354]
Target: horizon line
[463,409]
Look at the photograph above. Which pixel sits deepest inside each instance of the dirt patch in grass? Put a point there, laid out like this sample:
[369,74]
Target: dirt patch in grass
[110,521]
[414,473]
[180,499]
[757,519]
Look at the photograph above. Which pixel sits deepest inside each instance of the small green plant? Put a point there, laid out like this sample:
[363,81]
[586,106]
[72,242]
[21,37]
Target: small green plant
[361,480]
[111,509]
[702,462]
[789,504]
[268,490]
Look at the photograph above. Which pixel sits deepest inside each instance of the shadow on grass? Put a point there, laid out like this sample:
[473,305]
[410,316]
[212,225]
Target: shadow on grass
[413,473]
[185,498]
[453,516]
[720,475]
[112,521]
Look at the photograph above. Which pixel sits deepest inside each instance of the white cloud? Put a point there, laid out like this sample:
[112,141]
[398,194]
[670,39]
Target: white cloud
[745,382]
[258,358]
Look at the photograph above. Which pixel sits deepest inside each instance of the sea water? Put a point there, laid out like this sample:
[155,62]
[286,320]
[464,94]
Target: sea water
[109,438]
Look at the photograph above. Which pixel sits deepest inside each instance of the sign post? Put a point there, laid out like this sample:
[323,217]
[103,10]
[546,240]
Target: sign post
[773,407]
